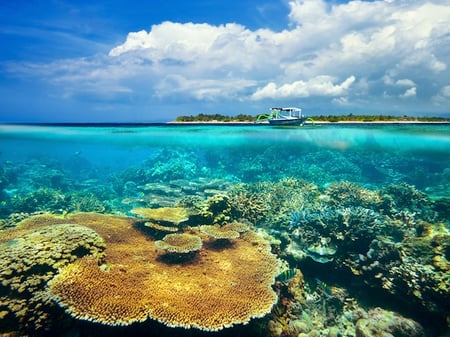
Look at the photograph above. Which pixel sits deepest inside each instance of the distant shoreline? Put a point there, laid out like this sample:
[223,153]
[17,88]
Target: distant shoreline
[220,123]
[309,123]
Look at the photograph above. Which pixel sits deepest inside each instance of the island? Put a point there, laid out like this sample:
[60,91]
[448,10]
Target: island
[349,118]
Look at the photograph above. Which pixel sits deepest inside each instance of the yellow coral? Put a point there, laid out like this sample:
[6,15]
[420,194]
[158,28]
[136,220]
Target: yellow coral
[239,227]
[218,232]
[175,215]
[31,257]
[179,243]
[161,228]
[219,289]
[28,223]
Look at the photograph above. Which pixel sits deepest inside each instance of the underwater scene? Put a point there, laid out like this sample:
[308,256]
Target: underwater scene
[225,230]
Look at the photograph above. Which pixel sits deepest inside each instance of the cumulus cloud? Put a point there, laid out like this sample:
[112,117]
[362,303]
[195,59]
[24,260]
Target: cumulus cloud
[442,98]
[405,82]
[330,51]
[318,86]
[411,92]
[326,48]
[202,89]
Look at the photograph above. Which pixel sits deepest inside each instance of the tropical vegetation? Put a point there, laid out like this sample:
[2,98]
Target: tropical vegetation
[320,118]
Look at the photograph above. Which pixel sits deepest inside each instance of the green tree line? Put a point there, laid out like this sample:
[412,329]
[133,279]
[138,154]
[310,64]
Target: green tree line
[216,118]
[324,118]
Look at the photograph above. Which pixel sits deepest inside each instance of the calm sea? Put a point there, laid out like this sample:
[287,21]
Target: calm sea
[373,155]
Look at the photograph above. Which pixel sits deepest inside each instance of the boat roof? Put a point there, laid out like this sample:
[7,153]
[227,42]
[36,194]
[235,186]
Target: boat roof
[287,109]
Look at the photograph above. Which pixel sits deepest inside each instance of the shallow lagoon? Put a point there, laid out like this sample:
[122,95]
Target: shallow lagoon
[368,154]
[113,169]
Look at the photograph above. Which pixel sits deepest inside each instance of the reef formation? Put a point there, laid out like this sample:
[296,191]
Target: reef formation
[195,246]
[31,255]
[131,283]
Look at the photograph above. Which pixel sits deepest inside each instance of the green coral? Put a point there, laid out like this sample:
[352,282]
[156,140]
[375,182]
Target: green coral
[84,202]
[347,194]
[270,203]
[43,199]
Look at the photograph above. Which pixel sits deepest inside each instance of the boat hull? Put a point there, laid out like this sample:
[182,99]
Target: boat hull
[287,121]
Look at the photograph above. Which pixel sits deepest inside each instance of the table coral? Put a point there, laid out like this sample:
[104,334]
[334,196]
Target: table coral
[221,288]
[219,232]
[172,215]
[179,243]
[237,226]
[29,259]
[161,228]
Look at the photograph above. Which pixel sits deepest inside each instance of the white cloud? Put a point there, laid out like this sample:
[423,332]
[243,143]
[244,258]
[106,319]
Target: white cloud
[405,83]
[411,92]
[391,47]
[443,97]
[340,101]
[202,89]
[319,86]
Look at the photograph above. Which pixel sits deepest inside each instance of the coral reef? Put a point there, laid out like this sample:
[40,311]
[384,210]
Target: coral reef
[43,199]
[31,256]
[219,232]
[368,223]
[179,243]
[347,194]
[381,322]
[386,238]
[217,209]
[221,288]
[269,203]
[161,228]
[306,311]
[237,226]
[169,215]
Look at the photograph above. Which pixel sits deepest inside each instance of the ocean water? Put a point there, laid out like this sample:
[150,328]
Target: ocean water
[365,154]
[113,169]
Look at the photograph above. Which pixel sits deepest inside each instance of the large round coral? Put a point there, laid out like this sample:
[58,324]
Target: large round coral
[221,288]
[30,255]
[387,323]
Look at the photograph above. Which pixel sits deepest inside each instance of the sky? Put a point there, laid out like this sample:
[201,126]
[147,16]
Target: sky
[151,61]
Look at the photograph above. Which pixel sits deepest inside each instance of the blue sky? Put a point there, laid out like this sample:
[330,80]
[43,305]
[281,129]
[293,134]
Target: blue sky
[150,61]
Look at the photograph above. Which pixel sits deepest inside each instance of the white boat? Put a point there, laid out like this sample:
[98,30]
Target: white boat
[283,116]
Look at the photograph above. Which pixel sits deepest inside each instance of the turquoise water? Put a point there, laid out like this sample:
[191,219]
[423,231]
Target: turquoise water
[373,155]
[348,203]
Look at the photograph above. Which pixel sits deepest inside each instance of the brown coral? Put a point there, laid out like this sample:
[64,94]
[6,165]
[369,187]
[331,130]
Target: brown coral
[236,226]
[161,228]
[179,243]
[219,232]
[220,289]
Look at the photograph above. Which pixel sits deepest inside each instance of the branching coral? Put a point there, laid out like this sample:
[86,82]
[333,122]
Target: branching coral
[346,193]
